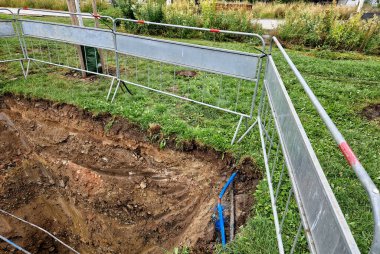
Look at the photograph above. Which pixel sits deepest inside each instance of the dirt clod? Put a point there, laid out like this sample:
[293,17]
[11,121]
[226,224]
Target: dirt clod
[106,190]
[372,112]
[186,73]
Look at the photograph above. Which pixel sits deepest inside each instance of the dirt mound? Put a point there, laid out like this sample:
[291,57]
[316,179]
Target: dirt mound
[372,112]
[186,73]
[97,184]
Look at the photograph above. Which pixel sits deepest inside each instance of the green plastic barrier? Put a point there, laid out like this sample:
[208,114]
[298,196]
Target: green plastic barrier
[91,59]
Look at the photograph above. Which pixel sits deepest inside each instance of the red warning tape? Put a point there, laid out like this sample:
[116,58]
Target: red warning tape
[140,21]
[348,153]
[97,16]
[214,30]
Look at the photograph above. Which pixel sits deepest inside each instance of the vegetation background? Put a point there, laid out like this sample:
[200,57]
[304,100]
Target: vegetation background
[326,26]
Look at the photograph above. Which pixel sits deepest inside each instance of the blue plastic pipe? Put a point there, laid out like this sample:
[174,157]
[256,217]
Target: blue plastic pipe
[13,244]
[221,224]
[220,208]
[227,184]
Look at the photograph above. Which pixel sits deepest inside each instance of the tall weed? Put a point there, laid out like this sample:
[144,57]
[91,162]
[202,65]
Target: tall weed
[86,6]
[186,13]
[279,10]
[331,29]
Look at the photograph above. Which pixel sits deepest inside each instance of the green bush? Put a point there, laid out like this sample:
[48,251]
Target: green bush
[127,7]
[113,12]
[188,14]
[150,11]
[329,30]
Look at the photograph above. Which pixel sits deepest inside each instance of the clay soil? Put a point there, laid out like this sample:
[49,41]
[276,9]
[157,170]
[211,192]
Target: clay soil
[102,186]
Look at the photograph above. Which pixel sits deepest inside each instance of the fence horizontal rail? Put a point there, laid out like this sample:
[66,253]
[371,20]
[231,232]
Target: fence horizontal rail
[94,37]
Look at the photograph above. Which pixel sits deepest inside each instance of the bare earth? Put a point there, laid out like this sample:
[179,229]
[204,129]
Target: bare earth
[105,188]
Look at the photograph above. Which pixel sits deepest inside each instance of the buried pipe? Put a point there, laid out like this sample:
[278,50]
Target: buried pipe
[220,209]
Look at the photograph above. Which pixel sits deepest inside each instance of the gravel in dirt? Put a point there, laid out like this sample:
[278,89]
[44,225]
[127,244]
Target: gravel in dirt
[101,186]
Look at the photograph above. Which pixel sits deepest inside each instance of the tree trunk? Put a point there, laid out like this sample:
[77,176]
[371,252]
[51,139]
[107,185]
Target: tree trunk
[75,22]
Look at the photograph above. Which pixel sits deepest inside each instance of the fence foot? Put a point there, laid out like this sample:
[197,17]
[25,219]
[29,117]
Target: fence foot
[109,91]
[27,68]
[247,131]
[117,88]
[237,130]
[25,72]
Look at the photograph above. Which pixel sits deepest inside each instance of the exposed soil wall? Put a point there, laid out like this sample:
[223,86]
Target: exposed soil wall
[104,188]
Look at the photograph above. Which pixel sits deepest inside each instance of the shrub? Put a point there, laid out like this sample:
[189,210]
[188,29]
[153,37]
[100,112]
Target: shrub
[114,12]
[208,13]
[331,29]
[41,4]
[86,6]
[182,13]
[188,14]
[279,10]
[150,11]
[127,7]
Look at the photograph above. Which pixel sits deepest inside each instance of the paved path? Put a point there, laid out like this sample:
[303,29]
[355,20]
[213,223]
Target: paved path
[268,24]
[37,13]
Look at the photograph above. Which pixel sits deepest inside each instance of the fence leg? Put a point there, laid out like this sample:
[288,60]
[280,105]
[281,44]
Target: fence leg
[22,68]
[109,91]
[25,72]
[27,68]
[117,88]
[237,130]
[247,131]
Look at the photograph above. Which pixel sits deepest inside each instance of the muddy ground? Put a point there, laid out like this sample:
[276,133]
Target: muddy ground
[102,186]
[372,112]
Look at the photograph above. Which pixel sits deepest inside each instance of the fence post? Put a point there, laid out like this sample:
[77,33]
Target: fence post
[75,21]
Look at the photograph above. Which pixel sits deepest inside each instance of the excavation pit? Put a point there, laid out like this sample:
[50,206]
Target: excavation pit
[100,185]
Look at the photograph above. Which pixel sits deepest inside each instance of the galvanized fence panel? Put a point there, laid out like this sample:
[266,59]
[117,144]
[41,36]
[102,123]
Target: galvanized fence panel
[366,181]
[190,72]
[235,74]
[11,49]
[61,44]
[227,62]
[8,38]
[93,37]
[6,28]
[323,221]
[226,79]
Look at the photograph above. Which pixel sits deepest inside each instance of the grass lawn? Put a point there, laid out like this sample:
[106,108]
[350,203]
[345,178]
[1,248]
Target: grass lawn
[344,82]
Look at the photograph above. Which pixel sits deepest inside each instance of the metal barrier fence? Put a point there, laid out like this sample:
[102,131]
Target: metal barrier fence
[223,80]
[227,75]
[228,81]
[9,34]
[313,216]
[60,44]
[292,167]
